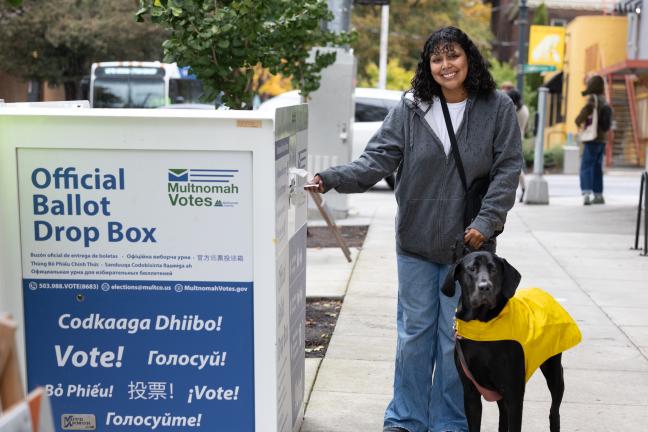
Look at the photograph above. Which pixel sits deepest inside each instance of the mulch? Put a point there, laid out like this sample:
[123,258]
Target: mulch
[322,237]
[321,317]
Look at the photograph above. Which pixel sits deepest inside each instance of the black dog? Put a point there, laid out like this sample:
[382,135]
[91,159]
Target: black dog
[487,283]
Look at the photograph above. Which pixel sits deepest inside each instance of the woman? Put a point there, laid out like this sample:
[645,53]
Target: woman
[430,196]
[591,169]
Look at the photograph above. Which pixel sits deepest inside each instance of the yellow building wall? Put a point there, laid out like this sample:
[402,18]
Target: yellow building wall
[592,43]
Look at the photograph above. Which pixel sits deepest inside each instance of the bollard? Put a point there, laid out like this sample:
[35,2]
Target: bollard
[571,160]
[537,188]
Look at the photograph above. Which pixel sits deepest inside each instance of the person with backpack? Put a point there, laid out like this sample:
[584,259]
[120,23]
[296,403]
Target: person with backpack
[594,120]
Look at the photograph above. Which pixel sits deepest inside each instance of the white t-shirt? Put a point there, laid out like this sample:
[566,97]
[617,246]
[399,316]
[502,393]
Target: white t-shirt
[435,119]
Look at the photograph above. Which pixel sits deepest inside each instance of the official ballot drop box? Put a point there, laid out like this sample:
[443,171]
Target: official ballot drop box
[155,260]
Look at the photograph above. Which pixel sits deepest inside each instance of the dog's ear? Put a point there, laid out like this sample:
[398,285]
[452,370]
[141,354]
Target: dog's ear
[448,287]
[510,278]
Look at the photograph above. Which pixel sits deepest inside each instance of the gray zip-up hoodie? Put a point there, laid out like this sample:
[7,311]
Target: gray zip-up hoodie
[428,190]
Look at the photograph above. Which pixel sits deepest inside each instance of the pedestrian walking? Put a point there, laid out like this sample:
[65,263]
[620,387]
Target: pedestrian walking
[594,120]
[522,114]
[415,138]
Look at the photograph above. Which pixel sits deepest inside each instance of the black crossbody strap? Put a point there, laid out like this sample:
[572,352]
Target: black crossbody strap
[453,142]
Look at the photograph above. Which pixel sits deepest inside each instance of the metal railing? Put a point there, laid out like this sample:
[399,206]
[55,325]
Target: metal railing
[643,201]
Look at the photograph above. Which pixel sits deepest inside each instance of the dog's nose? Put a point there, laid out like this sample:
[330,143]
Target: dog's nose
[484,286]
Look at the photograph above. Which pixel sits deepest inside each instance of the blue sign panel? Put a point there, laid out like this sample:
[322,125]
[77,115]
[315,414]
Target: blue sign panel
[137,288]
[143,355]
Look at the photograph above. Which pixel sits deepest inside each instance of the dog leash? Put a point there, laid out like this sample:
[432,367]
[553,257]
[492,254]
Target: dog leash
[489,395]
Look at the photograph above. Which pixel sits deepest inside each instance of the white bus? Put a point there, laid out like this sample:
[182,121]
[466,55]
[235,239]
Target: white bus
[131,84]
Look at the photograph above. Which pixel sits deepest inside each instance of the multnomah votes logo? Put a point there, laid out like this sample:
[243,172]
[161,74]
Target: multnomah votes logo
[189,187]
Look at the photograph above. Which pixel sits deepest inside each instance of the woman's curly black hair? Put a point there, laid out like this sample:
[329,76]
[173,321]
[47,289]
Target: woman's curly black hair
[479,81]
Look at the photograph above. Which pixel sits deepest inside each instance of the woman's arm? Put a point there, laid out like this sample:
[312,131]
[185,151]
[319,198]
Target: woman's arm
[504,173]
[381,157]
[585,112]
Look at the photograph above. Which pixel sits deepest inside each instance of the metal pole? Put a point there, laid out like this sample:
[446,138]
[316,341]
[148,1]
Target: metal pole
[341,10]
[384,36]
[522,46]
[644,177]
[538,159]
[537,188]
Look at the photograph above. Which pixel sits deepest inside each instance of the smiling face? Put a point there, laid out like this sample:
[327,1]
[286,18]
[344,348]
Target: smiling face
[449,67]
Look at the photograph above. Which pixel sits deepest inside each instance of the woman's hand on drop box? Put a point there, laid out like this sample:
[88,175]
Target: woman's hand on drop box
[315,184]
[474,238]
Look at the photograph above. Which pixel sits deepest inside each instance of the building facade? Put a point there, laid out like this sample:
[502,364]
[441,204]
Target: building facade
[592,43]
[636,12]
[631,76]
[561,12]
[13,89]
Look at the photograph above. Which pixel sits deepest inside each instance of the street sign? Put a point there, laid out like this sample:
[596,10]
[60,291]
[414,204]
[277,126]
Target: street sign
[547,45]
[531,68]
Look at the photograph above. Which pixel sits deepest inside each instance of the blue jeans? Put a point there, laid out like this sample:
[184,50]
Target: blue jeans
[422,403]
[591,169]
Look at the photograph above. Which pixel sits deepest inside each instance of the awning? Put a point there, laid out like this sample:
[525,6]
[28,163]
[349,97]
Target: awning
[555,84]
[626,67]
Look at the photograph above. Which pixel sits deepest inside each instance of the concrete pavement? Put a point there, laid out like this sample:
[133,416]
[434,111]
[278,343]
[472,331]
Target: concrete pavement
[580,254]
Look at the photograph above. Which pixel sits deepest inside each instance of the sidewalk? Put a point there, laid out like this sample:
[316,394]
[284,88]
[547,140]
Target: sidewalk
[580,254]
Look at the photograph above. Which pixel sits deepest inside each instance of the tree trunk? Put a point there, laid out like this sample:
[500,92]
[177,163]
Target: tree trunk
[34,88]
[71,90]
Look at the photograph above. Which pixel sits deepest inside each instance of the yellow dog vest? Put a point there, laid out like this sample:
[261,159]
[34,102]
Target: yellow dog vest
[534,319]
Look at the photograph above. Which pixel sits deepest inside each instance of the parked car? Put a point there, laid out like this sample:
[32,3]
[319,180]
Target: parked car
[371,107]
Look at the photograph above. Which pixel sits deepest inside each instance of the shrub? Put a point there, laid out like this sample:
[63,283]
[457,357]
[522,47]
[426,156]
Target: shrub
[553,157]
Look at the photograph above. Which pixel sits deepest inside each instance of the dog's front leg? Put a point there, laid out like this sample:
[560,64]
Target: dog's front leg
[473,407]
[514,411]
[472,399]
[503,416]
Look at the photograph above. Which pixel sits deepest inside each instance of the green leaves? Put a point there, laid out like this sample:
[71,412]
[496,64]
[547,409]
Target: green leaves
[223,41]
[139,15]
[411,22]
[57,41]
